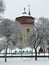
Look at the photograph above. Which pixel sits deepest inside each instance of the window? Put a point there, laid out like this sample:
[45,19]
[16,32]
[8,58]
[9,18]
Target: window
[20,38]
[28,30]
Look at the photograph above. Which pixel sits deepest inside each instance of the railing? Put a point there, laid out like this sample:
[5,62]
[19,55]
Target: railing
[12,55]
[24,56]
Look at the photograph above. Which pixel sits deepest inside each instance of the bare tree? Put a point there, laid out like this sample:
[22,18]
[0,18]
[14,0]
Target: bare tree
[9,29]
[2,8]
[5,32]
[2,43]
[40,35]
[34,40]
[44,24]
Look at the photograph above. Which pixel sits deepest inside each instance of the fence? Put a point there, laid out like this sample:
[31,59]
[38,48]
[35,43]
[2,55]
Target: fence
[11,55]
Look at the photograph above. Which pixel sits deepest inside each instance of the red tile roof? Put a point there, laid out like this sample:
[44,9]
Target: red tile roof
[25,20]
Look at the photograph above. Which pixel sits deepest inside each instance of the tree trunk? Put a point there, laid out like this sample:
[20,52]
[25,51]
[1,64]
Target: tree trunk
[21,53]
[6,54]
[32,52]
[48,53]
[11,52]
[44,52]
[35,53]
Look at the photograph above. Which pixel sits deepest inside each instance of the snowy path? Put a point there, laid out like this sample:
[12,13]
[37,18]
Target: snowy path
[24,61]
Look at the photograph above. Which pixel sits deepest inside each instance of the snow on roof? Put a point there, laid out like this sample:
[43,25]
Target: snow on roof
[24,15]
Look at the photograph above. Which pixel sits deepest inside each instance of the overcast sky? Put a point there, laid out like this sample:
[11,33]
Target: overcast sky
[38,8]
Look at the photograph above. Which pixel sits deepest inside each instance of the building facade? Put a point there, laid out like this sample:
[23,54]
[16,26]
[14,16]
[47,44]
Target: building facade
[27,22]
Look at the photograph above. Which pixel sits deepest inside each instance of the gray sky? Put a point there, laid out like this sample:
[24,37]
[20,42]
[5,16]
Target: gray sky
[14,8]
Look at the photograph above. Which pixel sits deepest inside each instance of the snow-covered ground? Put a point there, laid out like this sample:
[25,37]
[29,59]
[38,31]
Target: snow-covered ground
[24,61]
